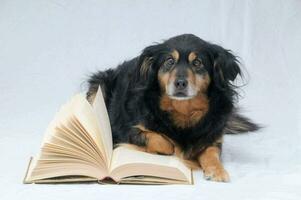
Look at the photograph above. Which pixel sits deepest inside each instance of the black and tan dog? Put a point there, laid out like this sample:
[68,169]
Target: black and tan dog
[178,95]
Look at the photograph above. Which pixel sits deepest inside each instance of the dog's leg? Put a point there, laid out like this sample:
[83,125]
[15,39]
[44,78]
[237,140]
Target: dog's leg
[211,165]
[156,143]
[153,142]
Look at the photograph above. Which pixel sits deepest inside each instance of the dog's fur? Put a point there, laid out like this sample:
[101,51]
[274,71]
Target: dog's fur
[176,94]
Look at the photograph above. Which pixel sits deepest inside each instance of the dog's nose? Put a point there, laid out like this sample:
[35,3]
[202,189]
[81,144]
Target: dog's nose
[181,83]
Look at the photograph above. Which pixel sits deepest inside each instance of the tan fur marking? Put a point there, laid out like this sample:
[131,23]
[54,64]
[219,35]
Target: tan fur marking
[185,113]
[156,142]
[163,79]
[219,70]
[192,56]
[202,82]
[141,127]
[191,77]
[145,65]
[199,82]
[210,162]
[175,54]
[166,78]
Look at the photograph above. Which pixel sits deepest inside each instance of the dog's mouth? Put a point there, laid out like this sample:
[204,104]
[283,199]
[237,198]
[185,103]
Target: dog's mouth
[181,96]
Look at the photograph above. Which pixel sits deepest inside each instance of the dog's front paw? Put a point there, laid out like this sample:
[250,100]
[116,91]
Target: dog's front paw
[218,174]
[156,143]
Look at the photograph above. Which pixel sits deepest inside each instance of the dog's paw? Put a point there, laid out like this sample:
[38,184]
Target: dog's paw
[156,143]
[218,174]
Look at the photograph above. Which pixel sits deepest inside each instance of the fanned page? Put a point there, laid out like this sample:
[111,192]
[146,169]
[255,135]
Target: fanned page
[99,108]
[132,166]
[73,145]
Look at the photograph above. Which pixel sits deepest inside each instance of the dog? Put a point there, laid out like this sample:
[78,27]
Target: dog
[177,95]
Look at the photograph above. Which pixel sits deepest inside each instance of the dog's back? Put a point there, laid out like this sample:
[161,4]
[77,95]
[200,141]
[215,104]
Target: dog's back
[104,79]
[110,78]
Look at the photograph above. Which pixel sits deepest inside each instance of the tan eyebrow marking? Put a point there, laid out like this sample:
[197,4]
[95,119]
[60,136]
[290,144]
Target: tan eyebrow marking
[192,56]
[175,54]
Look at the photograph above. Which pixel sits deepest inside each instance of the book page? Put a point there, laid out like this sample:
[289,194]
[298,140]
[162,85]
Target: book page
[77,108]
[48,171]
[149,180]
[72,144]
[100,110]
[128,162]
[85,115]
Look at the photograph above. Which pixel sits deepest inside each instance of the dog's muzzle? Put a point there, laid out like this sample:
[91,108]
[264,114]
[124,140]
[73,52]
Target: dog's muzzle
[180,89]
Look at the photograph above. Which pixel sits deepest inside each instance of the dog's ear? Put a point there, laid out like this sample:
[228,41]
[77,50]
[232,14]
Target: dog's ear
[147,60]
[225,67]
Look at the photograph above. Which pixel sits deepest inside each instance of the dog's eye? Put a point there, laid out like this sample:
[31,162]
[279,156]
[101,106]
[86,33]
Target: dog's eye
[169,62]
[197,62]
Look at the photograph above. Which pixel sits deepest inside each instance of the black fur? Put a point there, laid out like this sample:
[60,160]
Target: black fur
[132,95]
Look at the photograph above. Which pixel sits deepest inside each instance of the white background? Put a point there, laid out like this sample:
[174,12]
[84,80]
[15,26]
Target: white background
[48,48]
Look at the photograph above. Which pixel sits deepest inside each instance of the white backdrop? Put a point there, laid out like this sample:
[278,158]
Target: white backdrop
[47,49]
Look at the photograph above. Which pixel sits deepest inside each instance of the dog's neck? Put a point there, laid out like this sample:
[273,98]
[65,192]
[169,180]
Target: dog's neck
[185,113]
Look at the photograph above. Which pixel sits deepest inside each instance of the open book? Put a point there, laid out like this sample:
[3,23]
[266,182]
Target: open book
[78,147]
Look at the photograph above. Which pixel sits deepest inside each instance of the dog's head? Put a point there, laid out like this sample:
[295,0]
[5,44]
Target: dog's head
[186,65]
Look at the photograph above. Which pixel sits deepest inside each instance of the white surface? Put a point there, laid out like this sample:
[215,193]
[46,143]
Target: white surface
[47,48]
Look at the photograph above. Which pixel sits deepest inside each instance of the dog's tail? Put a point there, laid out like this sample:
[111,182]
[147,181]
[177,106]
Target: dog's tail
[239,124]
